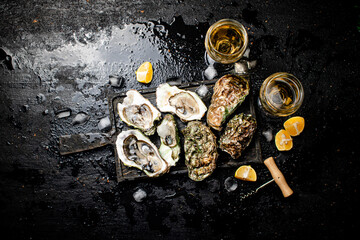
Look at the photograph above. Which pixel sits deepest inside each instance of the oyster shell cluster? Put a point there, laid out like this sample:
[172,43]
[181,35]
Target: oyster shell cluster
[200,150]
[136,150]
[238,134]
[200,146]
[138,112]
[170,140]
[229,92]
[186,105]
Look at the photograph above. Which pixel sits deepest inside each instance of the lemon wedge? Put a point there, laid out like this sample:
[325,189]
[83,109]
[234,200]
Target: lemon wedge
[144,73]
[246,173]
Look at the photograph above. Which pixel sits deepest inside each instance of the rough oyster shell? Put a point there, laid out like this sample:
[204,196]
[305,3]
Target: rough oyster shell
[238,134]
[138,112]
[136,150]
[229,92]
[200,150]
[170,140]
[186,105]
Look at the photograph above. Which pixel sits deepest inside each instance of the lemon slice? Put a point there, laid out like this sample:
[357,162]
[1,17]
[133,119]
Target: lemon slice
[283,140]
[246,173]
[294,126]
[144,73]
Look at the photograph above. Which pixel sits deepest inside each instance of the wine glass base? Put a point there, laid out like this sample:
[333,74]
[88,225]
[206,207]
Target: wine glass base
[219,67]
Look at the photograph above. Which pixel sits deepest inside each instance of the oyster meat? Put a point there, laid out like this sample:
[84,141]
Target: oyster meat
[170,140]
[238,134]
[200,150]
[229,92]
[138,112]
[185,104]
[136,150]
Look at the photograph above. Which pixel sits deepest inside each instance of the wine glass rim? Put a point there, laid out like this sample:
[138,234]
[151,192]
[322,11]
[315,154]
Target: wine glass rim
[230,22]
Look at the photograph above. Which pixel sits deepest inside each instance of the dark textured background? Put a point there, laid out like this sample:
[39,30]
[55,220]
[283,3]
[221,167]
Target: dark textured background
[63,50]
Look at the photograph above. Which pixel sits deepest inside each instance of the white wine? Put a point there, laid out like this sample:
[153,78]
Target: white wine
[281,94]
[226,41]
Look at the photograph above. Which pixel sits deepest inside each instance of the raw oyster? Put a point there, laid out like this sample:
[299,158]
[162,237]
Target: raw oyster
[170,141]
[238,134]
[229,92]
[138,112]
[200,150]
[136,150]
[186,105]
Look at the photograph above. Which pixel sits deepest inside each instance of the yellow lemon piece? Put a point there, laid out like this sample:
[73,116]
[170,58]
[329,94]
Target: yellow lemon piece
[283,140]
[144,73]
[246,173]
[294,126]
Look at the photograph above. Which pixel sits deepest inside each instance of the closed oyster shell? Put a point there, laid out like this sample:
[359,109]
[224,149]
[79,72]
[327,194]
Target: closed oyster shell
[187,105]
[229,92]
[137,111]
[200,150]
[136,150]
[238,134]
[170,140]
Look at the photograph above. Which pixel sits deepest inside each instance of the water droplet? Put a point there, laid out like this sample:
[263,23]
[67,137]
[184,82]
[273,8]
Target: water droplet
[40,98]
[64,113]
[25,108]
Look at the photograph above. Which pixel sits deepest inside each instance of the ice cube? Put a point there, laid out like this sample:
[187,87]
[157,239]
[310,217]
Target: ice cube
[230,184]
[241,67]
[246,53]
[80,118]
[268,135]
[116,81]
[139,195]
[252,64]
[202,90]
[104,124]
[210,72]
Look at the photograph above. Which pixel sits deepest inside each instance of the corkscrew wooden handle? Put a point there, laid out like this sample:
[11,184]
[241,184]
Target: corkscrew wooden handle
[278,177]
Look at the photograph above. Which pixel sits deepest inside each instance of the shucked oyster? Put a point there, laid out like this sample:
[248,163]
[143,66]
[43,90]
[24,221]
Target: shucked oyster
[170,141]
[138,112]
[238,134]
[200,150]
[185,104]
[229,92]
[136,150]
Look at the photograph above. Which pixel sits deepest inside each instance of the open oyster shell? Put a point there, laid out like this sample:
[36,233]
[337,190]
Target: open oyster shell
[186,105]
[200,150]
[229,92]
[136,150]
[238,134]
[170,140]
[138,112]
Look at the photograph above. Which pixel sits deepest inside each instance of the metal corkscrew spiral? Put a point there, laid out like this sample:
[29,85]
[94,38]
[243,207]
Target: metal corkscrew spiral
[256,190]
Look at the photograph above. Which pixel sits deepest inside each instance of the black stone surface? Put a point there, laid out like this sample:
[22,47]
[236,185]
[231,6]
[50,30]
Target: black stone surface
[66,51]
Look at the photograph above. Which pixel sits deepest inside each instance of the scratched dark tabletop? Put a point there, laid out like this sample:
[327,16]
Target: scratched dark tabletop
[56,58]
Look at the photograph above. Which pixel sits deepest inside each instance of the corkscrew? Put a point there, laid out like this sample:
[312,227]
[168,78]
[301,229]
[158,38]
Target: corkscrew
[278,177]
